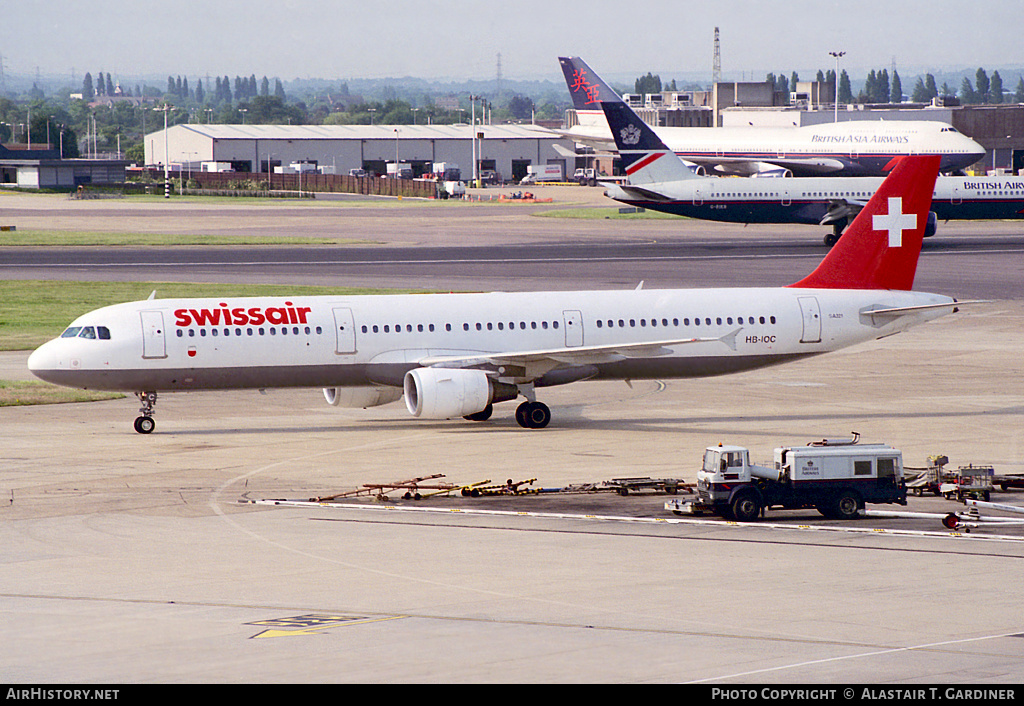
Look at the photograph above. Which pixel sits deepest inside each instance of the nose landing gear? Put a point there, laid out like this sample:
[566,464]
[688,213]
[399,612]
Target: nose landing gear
[145,424]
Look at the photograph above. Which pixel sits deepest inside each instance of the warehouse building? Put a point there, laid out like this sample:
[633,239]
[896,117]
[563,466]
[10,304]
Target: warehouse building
[43,169]
[505,149]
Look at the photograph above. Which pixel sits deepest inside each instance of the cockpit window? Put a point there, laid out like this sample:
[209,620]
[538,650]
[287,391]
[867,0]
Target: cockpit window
[91,332]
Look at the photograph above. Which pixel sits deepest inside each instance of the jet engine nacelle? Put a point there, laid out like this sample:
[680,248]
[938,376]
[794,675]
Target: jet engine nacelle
[360,397]
[444,393]
[931,225]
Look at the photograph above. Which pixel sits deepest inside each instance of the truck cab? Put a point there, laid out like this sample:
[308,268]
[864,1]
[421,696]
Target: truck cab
[726,472]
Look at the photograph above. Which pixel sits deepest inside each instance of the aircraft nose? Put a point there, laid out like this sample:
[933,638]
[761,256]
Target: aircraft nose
[974,148]
[44,360]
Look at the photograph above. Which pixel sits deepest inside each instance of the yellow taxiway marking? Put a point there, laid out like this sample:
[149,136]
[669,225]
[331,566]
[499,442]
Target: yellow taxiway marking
[313,624]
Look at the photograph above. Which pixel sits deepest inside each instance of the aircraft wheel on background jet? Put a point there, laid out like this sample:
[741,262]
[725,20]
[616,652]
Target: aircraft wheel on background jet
[533,415]
[837,232]
[144,425]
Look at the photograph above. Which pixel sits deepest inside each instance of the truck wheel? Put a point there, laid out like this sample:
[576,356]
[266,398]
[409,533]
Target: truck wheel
[746,507]
[846,505]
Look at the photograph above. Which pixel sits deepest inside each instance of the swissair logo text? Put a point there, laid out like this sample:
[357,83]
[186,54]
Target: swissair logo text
[241,316]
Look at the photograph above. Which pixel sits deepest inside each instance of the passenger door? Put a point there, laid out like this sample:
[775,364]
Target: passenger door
[573,328]
[345,330]
[811,320]
[154,343]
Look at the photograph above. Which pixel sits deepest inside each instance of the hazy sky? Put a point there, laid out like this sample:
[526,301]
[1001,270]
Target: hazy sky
[462,38]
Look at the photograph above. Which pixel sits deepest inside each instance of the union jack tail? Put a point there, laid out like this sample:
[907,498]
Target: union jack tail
[879,250]
[645,158]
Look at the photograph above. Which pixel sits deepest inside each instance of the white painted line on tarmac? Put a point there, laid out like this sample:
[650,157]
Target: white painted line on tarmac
[642,520]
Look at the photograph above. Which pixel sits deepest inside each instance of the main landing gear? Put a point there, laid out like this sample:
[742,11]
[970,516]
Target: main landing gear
[533,415]
[837,232]
[145,424]
[529,415]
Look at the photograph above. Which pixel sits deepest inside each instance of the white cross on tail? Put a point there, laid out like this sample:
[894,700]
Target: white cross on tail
[895,221]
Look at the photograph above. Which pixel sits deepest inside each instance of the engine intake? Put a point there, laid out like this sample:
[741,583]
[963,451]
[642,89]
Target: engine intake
[444,393]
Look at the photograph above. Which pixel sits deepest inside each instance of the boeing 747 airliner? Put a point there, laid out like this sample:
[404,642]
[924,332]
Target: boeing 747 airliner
[853,148]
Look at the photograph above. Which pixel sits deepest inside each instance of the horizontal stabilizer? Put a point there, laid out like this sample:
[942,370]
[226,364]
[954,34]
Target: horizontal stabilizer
[901,310]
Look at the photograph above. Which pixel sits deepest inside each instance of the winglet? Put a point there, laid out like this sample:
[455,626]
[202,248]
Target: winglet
[880,248]
[645,157]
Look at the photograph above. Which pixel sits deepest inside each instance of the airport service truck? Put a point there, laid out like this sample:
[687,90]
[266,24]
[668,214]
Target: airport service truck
[836,477]
[542,172]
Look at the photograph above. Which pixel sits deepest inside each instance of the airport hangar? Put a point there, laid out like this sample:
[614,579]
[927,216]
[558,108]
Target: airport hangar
[506,149]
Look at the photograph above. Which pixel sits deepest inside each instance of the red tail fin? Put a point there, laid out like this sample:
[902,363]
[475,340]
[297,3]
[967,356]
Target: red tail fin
[880,248]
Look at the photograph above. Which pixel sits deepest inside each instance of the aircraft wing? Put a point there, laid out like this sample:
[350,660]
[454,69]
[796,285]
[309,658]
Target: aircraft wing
[537,362]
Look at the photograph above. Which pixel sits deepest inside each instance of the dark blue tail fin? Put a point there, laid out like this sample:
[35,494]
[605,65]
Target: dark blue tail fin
[586,88]
[645,158]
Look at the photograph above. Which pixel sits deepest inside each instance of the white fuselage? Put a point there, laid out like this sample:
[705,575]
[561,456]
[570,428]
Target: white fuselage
[854,148]
[808,199]
[328,341]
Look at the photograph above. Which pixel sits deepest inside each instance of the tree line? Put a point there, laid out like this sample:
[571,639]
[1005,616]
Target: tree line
[881,87]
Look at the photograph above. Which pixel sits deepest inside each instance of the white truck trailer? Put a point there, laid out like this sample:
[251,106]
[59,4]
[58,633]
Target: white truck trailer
[536,173]
[837,477]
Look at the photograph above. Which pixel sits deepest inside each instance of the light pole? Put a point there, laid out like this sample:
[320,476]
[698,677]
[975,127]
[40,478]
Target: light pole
[167,177]
[472,123]
[836,55]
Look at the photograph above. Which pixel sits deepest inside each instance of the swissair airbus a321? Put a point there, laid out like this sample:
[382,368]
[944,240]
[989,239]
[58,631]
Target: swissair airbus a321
[456,355]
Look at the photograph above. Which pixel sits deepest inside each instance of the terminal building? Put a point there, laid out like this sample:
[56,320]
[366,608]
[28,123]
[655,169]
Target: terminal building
[505,149]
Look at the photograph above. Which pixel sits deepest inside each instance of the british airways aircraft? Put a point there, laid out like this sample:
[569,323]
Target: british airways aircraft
[854,148]
[456,355]
[659,181]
